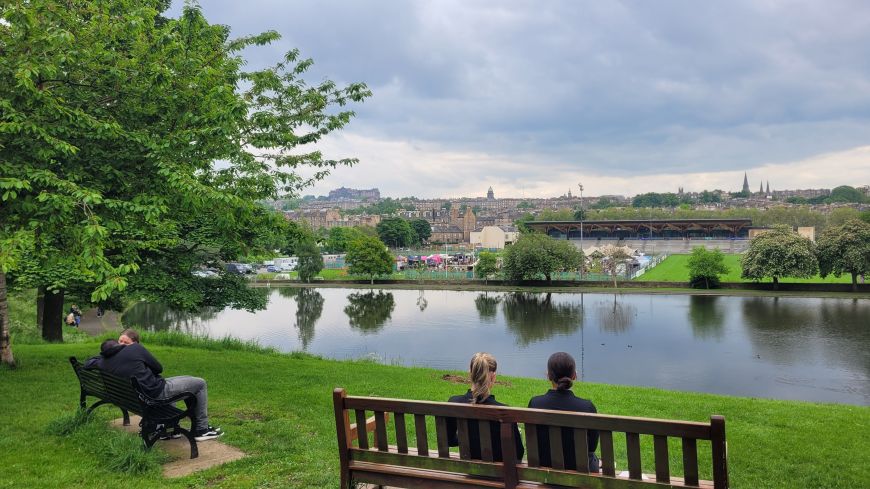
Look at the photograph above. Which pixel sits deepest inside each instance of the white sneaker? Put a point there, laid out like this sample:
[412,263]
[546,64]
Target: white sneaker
[210,433]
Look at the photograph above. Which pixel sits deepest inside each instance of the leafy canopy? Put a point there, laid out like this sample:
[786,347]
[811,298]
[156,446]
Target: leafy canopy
[845,249]
[368,256]
[705,266]
[779,252]
[535,255]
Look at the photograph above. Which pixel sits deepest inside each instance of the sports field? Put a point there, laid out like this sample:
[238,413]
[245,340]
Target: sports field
[675,269]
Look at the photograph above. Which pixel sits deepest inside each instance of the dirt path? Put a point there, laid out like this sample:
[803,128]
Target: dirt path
[95,326]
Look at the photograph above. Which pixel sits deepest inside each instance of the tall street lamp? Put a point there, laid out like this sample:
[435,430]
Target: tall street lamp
[582,216]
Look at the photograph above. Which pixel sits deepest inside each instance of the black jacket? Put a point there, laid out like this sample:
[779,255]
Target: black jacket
[562,400]
[474,434]
[135,361]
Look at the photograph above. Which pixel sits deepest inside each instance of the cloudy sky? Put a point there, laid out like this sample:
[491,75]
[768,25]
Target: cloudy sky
[532,97]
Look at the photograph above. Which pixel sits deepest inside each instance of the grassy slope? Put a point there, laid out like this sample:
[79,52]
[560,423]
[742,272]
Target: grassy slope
[277,408]
[675,269]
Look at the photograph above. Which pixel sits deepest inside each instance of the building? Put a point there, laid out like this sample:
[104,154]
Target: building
[344,193]
[646,228]
[446,234]
[494,237]
[490,195]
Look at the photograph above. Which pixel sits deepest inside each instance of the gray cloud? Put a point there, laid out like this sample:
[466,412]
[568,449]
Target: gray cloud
[614,88]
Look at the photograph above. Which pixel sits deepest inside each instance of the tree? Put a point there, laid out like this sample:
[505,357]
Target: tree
[339,238]
[535,255]
[845,249]
[310,261]
[653,199]
[865,216]
[422,229]
[369,257]
[705,266]
[369,311]
[486,265]
[108,149]
[612,258]
[779,252]
[845,193]
[396,231]
[521,223]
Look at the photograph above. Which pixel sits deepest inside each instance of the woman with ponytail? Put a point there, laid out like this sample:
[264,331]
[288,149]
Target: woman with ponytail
[562,372]
[482,373]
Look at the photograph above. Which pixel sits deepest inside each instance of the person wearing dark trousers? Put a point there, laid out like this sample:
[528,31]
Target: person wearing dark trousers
[130,359]
[482,372]
[562,372]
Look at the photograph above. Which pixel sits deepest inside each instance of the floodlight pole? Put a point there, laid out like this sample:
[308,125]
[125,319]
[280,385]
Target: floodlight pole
[582,266]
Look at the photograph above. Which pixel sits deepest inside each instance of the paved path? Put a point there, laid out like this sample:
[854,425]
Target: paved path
[95,326]
[211,453]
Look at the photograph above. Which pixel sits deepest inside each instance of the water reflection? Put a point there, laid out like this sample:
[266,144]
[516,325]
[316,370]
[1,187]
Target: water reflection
[706,316]
[309,307]
[160,317]
[535,317]
[487,306]
[618,318]
[368,312]
[422,303]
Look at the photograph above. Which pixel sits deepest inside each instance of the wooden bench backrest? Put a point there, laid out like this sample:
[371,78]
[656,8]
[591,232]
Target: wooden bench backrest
[112,388]
[512,472]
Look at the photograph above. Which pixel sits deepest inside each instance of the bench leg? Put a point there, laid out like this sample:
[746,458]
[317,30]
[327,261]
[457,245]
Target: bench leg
[95,406]
[126,417]
[194,451]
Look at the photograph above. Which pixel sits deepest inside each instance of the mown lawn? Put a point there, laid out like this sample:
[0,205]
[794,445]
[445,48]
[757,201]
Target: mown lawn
[277,408]
[675,269]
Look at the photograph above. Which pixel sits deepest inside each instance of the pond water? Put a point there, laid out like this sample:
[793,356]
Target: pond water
[809,349]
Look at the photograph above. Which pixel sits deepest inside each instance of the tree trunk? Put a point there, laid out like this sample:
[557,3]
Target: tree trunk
[775,283]
[854,281]
[707,282]
[40,306]
[52,320]
[6,357]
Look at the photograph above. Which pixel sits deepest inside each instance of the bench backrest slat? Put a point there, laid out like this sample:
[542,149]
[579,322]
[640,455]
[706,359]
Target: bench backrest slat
[478,447]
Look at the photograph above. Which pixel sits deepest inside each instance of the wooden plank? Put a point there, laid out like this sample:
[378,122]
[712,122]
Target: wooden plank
[509,456]
[581,450]
[452,464]
[401,433]
[464,443]
[673,428]
[485,437]
[540,478]
[420,432]
[690,461]
[720,449]
[362,438]
[532,445]
[557,458]
[632,445]
[342,431]
[441,434]
[605,439]
[385,475]
[660,447]
[380,431]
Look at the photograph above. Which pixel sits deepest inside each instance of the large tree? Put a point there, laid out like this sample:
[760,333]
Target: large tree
[536,256]
[422,229]
[487,265]
[369,257]
[705,266]
[845,249]
[777,253]
[110,133]
[310,261]
[396,232]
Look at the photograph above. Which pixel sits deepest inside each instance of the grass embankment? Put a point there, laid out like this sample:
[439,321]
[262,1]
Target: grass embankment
[675,268]
[277,408]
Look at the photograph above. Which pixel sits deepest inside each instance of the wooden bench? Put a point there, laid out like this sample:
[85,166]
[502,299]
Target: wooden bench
[404,463]
[159,417]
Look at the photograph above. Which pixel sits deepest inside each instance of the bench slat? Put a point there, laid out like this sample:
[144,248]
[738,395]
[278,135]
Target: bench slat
[690,461]
[420,432]
[464,442]
[605,439]
[532,445]
[441,434]
[660,446]
[485,436]
[632,444]
[557,458]
[362,436]
[401,433]
[581,450]
[380,431]
[538,478]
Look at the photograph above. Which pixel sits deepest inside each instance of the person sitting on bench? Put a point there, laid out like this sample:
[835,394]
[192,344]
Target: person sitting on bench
[130,359]
[562,372]
[482,373]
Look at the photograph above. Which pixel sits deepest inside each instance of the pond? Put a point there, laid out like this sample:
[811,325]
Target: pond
[811,349]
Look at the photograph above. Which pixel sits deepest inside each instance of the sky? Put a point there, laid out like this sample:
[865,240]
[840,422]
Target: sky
[625,97]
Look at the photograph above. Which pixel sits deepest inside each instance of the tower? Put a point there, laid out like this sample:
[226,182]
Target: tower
[761,188]
[490,195]
[768,188]
[745,184]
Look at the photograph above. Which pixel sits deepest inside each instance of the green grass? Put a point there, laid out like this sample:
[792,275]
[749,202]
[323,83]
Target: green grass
[675,269]
[278,409]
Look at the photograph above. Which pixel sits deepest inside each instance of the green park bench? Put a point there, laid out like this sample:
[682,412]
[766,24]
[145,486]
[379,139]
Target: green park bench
[159,417]
[379,462]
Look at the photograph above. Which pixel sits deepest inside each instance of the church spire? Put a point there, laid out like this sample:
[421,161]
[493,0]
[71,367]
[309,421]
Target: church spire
[745,183]
[768,187]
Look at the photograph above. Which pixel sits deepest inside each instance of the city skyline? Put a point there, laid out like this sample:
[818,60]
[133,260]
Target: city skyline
[626,97]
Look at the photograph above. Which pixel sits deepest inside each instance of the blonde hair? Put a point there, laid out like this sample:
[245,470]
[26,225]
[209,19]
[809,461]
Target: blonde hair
[482,364]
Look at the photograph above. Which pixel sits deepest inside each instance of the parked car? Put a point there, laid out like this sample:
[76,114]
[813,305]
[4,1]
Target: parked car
[239,268]
[272,269]
[205,273]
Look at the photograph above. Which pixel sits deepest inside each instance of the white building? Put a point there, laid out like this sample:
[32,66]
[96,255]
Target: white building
[494,237]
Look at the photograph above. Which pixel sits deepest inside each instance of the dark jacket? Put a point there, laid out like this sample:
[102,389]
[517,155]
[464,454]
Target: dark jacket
[135,361]
[562,400]
[474,434]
